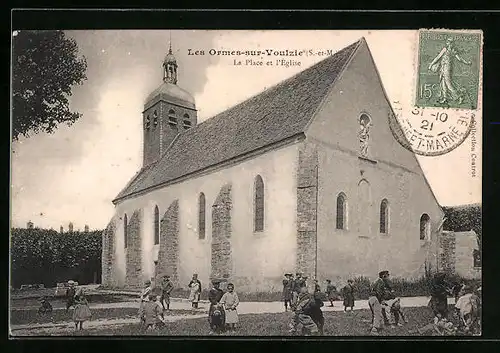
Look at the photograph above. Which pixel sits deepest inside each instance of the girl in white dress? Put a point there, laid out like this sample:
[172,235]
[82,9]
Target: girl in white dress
[194,291]
[230,301]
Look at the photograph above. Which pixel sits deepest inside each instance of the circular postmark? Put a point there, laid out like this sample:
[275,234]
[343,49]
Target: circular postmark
[430,131]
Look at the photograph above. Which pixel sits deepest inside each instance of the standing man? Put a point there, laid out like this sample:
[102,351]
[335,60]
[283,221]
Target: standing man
[287,290]
[377,295]
[166,287]
[195,291]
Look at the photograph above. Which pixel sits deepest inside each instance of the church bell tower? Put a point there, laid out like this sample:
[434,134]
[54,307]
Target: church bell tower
[168,111]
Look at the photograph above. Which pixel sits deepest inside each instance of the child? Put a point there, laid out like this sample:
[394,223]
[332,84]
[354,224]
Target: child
[317,287]
[439,327]
[166,288]
[467,308]
[315,312]
[348,294]
[331,292]
[194,291]
[287,294]
[230,301]
[70,295]
[152,313]
[144,298]
[216,312]
[82,311]
[394,309]
[45,306]
[301,316]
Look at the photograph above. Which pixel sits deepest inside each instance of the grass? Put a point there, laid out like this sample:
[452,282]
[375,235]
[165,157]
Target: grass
[356,323]
[21,317]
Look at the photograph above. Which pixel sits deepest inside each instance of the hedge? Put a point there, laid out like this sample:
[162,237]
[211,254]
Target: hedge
[43,256]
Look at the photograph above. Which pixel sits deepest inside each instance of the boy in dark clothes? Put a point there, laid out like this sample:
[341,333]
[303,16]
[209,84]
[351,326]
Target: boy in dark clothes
[439,295]
[288,290]
[348,294]
[70,295]
[45,306]
[216,314]
[166,288]
[331,292]
[315,312]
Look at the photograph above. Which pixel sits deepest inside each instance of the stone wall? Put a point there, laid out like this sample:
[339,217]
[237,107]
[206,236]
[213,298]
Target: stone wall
[456,254]
[133,252]
[221,257]
[168,256]
[108,254]
[447,252]
[307,191]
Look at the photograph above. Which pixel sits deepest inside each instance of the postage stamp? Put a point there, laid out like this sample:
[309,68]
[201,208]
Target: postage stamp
[447,96]
[448,69]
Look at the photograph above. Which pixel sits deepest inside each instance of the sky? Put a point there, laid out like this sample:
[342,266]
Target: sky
[73,174]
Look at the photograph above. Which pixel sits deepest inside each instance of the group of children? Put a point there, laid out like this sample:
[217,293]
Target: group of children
[292,285]
[76,299]
[466,318]
[223,313]
[308,317]
[154,302]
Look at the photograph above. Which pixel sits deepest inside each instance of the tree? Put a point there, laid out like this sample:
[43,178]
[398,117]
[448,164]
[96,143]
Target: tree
[45,66]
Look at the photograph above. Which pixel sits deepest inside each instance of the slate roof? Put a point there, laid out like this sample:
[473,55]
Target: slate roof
[278,113]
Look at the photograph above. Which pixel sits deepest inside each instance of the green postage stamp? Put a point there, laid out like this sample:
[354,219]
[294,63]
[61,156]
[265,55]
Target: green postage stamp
[449,65]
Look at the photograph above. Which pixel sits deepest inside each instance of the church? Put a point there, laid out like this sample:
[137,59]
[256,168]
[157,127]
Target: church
[305,176]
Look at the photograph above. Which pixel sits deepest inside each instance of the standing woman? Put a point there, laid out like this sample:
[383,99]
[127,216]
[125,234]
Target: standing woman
[194,291]
[82,311]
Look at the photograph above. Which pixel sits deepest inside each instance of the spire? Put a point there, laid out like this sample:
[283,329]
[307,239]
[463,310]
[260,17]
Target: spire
[170,65]
[170,44]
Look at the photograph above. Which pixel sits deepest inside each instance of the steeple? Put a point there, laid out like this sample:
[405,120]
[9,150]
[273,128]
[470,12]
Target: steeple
[168,110]
[170,66]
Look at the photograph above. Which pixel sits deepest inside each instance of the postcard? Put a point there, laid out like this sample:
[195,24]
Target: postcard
[246,183]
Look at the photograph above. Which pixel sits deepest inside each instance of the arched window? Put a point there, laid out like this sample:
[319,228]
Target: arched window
[259,205]
[341,211]
[157,225]
[148,122]
[125,233]
[425,227]
[201,216]
[187,122]
[384,217]
[155,118]
[172,120]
